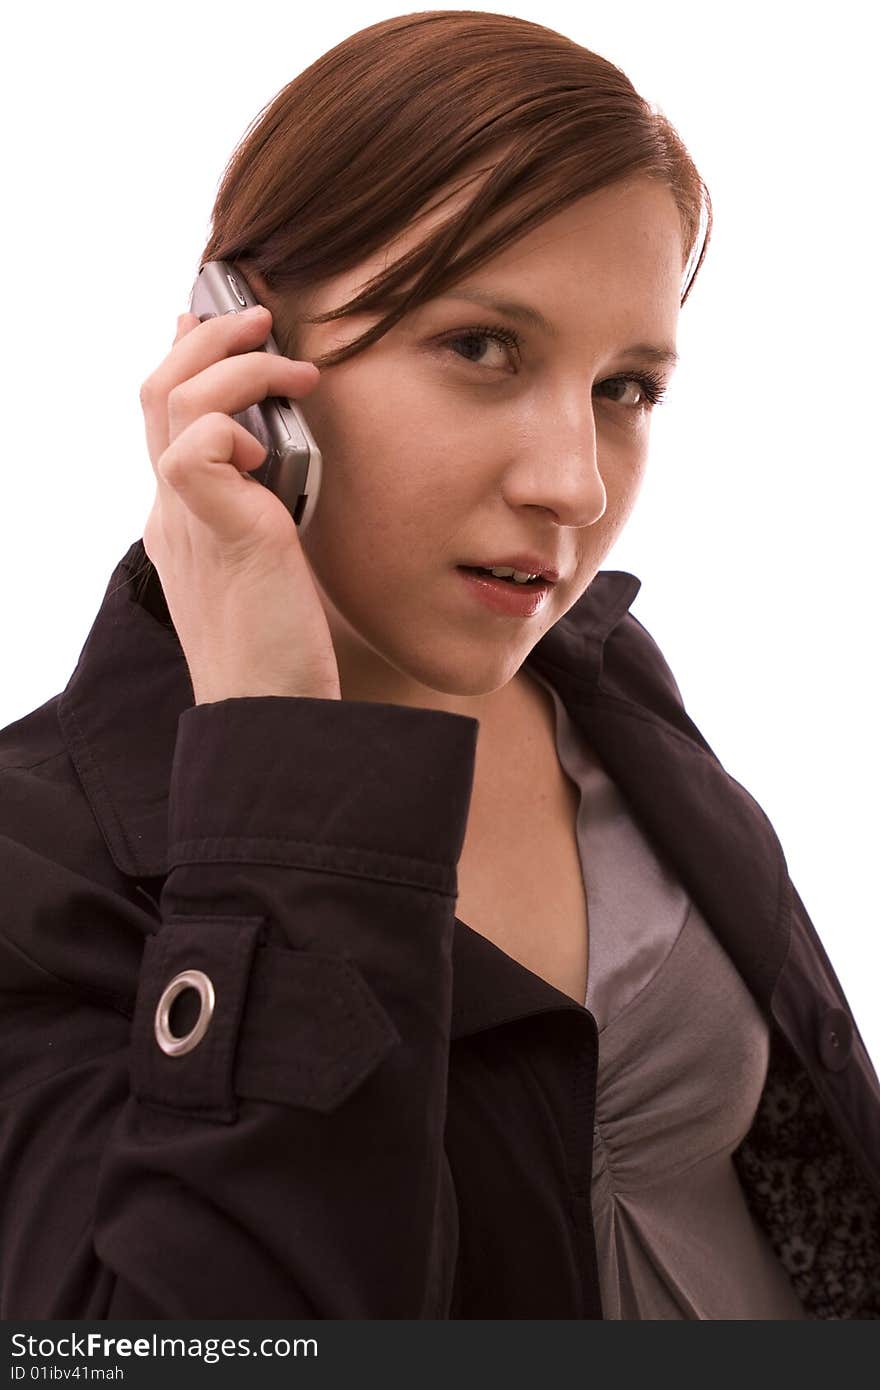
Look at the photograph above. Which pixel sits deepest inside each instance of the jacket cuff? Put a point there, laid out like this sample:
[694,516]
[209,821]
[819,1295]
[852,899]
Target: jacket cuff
[312,862]
[377,790]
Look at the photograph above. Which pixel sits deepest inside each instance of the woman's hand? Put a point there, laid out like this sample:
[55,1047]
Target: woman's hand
[238,586]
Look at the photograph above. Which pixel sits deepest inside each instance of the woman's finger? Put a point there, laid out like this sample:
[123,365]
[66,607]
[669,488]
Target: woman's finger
[185,324]
[199,346]
[235,383]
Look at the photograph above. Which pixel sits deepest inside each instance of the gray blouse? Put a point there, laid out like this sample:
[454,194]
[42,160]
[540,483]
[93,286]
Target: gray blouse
[683,1053]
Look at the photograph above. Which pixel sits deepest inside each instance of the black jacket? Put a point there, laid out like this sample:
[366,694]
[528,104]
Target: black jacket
[387,1117]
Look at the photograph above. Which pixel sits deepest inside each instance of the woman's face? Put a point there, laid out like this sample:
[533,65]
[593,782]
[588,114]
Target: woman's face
[444,445]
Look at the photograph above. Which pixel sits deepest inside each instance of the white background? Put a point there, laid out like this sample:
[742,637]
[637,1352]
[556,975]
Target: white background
[755,535]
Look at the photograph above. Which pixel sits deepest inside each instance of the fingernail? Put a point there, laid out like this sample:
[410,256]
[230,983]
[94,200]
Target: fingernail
[255,310]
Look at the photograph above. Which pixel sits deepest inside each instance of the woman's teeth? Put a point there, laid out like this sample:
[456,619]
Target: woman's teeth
[503,572]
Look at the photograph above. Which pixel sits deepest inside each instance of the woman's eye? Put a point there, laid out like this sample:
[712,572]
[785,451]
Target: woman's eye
[502,344]
[493,347]
[639,392]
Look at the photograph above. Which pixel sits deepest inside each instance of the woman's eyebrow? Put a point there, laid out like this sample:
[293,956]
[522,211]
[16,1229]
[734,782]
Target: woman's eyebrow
[652,352]
[527,314]
[511,307]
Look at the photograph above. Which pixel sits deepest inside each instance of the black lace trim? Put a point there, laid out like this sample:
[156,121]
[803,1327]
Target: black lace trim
[810,1197]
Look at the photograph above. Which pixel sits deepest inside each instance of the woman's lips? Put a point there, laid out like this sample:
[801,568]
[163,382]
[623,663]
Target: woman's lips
[503,595]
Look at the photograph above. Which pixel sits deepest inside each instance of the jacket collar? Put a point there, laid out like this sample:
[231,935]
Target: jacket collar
[711,831]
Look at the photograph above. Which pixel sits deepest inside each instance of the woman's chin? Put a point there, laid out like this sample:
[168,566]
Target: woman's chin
[407,659]
[465,674]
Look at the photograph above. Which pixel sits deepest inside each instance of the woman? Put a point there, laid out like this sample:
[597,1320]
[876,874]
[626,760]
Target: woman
[314,865]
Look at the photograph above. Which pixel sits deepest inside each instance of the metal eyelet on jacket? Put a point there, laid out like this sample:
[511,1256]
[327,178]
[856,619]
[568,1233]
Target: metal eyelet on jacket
[187,979]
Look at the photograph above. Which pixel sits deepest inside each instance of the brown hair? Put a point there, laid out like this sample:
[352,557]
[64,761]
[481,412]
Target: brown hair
[341,160]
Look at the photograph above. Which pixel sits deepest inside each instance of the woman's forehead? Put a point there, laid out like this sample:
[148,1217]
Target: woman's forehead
[639,205]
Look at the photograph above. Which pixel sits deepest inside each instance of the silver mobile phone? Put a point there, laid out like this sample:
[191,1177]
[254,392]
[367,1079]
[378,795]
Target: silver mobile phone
[292,467]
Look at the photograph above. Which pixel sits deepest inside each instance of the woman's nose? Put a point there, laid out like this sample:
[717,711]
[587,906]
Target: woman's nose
[558,464]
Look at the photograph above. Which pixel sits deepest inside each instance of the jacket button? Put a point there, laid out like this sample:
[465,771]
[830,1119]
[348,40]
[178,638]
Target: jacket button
[187,979]
[835,1039]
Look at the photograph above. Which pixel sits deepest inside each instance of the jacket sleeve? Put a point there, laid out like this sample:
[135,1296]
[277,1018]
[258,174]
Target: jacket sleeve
[290,1163]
